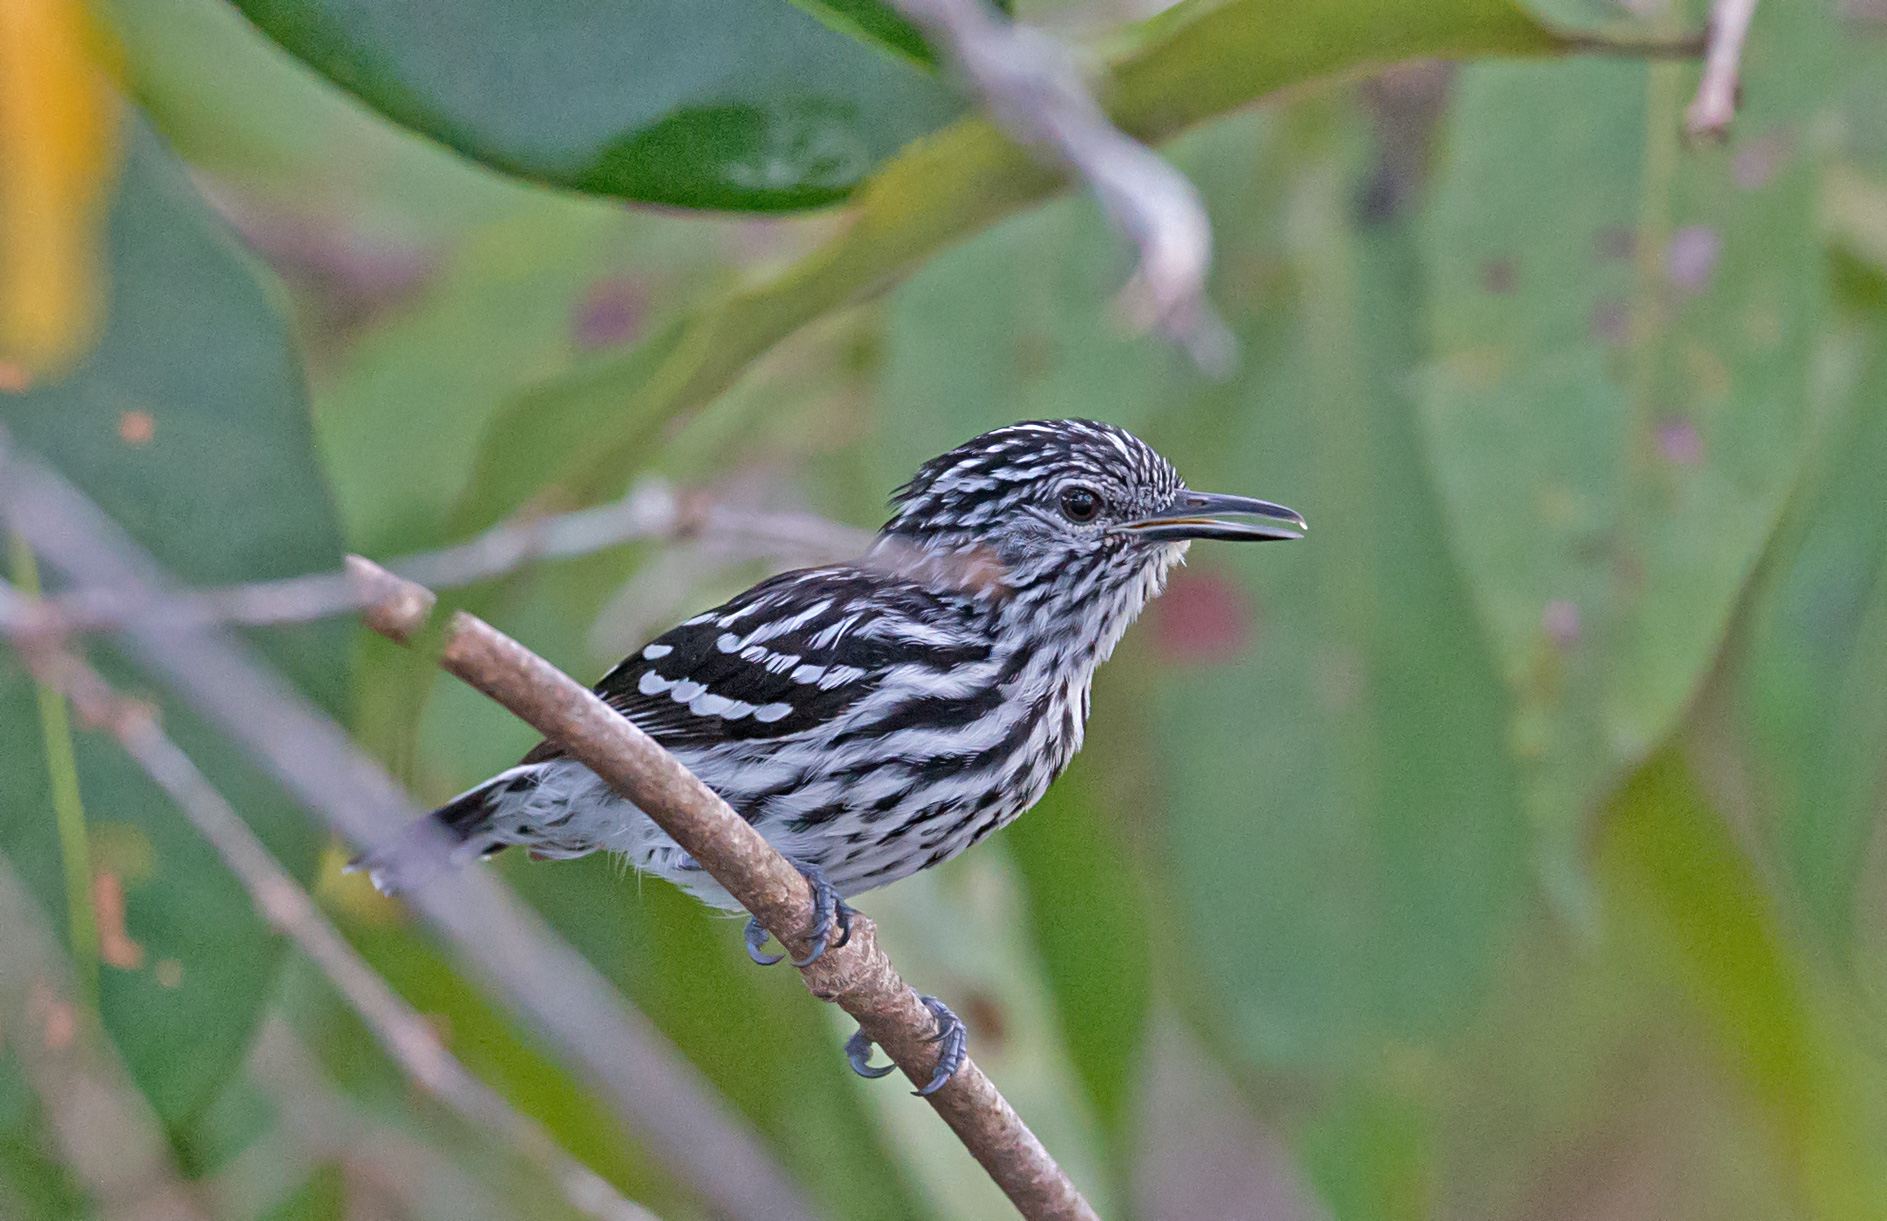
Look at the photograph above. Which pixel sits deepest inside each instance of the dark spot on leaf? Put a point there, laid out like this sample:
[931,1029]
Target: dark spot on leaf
[612,313]
[1757,162]
[1203,618]
[1498,276]
[1559,619]
[1691,258]
[1678,442]
[1615,242]
[1610,323]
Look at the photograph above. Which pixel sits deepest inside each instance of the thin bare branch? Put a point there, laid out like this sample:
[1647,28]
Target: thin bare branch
[105,1130]
[407,1036]
[662,1097]
[652,512]
[1714,108]
[857,976]
[1035,92]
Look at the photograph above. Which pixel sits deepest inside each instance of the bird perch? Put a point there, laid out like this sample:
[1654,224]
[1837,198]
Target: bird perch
[856,976]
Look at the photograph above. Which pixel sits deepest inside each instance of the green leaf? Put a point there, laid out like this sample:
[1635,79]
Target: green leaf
[582,435]
[758,1035]
[1669,855]
[1088,911]
[189,426]
[1344,820]
[33,1184]
[487,1040]
[1805,688]
[1624,332]
[750,104]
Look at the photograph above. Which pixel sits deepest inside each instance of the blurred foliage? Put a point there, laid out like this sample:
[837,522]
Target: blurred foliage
[1511,845]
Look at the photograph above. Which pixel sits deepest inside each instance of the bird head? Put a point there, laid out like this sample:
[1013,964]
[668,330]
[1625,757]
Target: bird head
[1072,508]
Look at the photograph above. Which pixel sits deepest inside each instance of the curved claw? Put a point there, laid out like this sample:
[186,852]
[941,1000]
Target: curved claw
[954,1038]
[756,939]
[827,909]
[858,1054]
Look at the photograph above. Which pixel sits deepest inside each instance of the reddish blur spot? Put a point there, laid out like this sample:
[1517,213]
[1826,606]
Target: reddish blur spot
[1203,617]
[611,313]
[137,427]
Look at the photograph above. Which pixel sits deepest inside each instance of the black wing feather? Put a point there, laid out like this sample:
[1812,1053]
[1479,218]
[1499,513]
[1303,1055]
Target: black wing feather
[843,617]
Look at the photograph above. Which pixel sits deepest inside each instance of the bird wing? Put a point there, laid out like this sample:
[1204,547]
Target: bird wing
[785,657]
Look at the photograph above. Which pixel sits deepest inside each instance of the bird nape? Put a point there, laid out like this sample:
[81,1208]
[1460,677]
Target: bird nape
[875,718]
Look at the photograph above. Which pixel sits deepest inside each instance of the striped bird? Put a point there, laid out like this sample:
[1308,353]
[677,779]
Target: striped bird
[876,718]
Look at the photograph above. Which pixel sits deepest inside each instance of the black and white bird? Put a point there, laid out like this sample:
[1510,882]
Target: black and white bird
[875,718]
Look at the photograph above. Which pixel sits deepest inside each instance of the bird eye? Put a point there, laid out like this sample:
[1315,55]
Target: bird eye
[1080,504]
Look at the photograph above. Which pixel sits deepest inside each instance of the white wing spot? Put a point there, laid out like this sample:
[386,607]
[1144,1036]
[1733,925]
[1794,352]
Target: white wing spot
[653,683]
[686,690]
[728,643]
[709,704]
[656,652]
[772,712]
[809,674]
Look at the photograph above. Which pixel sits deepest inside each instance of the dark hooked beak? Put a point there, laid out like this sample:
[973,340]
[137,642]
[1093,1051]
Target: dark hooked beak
[1209,515]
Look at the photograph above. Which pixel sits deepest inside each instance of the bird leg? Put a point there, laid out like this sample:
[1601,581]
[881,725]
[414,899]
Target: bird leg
[828,909]
[952,1034]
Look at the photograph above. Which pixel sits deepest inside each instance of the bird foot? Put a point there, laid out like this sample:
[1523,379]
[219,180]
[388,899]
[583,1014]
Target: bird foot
[828,911]
[952,1035]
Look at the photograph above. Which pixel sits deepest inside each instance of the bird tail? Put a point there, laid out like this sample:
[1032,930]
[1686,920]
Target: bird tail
[452,835]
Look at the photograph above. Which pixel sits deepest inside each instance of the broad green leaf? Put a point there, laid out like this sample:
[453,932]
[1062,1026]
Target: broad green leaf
[1805,687]
[1087,909]
[1669,855]
[188,425]
[1344,818]
[581,435]
[1623,335]
[400,415]
[749,104]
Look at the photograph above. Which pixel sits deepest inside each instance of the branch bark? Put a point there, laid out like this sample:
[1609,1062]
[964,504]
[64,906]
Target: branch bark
[657,1093]
[857,976]
[653,511]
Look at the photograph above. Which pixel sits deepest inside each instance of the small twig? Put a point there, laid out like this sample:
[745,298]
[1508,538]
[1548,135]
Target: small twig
[1712,111]
[857,976]
[652,512]
[1033,88]
[658,1093]
[407,1036]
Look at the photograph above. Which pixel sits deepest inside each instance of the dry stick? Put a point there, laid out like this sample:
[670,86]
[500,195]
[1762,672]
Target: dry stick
[857,976]
[1034,91]
[660,1095]
[407,1036]
[651,512]
[1712,111]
